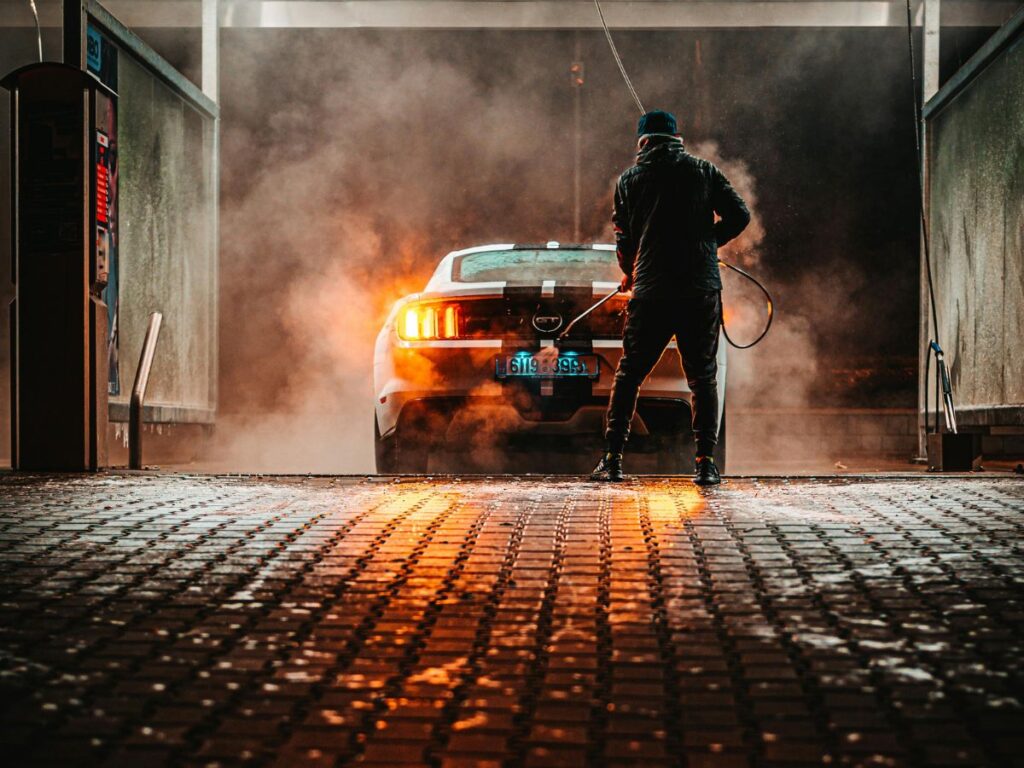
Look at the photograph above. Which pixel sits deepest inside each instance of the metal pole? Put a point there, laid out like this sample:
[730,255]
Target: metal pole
[586,312]
[211,87]
[139,391]
[73,32]
[211,49]
[576,70]
[930,52]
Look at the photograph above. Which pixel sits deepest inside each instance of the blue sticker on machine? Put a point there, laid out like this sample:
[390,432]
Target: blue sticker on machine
[101,56]
[94,50]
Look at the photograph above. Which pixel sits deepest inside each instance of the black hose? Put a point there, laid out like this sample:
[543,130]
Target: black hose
[918,124]
[925,237]
[768,301]
[737,270]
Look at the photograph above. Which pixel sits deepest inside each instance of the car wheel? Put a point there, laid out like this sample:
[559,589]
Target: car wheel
[384,451]
[413,454]
[675,455]
[719,453]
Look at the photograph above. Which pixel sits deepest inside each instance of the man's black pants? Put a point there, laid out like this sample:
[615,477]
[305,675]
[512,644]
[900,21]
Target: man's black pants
[650,325]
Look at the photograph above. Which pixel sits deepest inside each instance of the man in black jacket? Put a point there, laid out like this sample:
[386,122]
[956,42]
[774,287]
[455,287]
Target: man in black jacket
[667,240]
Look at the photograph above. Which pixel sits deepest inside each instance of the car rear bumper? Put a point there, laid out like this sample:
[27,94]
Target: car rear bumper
[496,421]
[464,373]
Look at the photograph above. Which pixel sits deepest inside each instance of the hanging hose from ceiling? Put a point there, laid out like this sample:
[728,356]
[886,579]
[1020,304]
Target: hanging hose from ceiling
[942,383]
[39,31]
[618,59]
[629,84]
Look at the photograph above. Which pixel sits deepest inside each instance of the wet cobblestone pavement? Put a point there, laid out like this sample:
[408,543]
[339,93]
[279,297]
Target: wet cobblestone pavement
[151,620]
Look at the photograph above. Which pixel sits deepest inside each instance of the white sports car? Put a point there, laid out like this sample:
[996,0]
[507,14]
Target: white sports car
[459,383]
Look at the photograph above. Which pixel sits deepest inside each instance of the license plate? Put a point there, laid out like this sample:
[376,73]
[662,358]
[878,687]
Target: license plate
[526,365]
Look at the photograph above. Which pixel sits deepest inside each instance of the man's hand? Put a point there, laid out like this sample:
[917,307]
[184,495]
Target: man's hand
[627,283]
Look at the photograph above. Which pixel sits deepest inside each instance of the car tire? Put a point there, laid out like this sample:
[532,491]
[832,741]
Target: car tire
[384,451]
[675,455]
[719,453]
[413,456]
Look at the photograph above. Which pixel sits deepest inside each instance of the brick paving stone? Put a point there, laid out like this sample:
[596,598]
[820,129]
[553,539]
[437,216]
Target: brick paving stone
[189,621]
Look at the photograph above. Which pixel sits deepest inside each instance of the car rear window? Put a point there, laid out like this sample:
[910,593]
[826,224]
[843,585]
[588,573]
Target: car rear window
[582,264]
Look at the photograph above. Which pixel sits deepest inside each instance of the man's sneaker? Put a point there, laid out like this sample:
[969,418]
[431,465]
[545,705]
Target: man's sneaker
[707,472]
[609,469]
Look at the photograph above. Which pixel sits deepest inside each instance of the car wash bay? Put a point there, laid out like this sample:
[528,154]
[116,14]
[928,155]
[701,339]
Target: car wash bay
[287,170]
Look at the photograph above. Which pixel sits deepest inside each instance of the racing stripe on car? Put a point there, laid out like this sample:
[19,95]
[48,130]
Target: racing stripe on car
[571,302]
[522,300]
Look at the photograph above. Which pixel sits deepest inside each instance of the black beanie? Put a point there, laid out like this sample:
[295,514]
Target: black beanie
[657,121]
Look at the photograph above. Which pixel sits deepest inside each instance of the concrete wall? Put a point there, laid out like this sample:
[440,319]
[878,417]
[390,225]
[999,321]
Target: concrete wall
[760,439]
[975,129]
[168,249]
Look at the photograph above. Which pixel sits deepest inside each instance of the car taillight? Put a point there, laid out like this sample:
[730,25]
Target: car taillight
[418,322]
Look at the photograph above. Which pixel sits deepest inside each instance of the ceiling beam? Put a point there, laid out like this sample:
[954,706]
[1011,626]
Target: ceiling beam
[528,14]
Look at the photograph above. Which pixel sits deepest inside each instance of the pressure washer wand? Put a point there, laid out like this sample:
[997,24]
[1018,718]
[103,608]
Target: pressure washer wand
[586,312]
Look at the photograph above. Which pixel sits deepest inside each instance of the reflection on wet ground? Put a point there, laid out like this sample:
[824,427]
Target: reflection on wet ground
[183,620]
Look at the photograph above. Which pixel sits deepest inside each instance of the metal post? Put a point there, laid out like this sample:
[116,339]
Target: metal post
[211,49]
[930,53]
[576,71]
[930,29]
[139,391]
[211,87]
[73,32]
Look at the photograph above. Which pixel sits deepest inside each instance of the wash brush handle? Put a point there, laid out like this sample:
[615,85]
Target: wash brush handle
[586,312]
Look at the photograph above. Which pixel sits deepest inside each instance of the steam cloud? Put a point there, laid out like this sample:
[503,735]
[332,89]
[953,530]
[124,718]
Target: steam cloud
[395,156]
[346,181]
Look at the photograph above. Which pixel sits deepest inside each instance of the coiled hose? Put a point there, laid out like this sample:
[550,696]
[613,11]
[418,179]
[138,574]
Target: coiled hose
[768,302]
